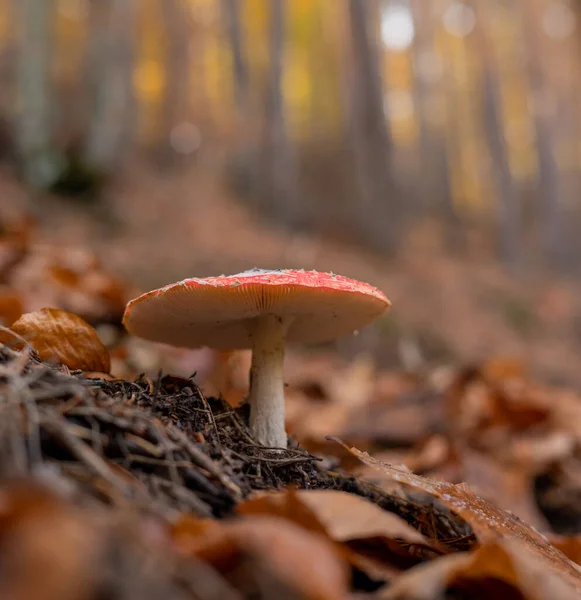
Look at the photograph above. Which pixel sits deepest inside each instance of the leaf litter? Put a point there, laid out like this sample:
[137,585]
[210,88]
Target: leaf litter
[127,485]
[181,473]
[488,522]
[62,338]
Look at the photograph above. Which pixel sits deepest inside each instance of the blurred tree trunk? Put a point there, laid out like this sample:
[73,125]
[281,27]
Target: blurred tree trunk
[33,131]
[231,11]
[110,75]
[550,195]
[509,210]
[8,73]
[8,52]
[244,163]
[434,177]
[178,29]
[281,172]
[377,211]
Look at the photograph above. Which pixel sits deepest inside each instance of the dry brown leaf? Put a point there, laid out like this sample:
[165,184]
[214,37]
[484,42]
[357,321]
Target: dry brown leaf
[349,517]
[63,275]
[492,396]
[375,541]
[341,515]
[10,306]
[324,394]
[432,455]
[268,553]
[318,395]
[570,546]
[48,547]
[187,530]
[500,369]
[539,450]
[64,338]
[71,279]
[509,486]
[489,522]
[497,570]
[287,504]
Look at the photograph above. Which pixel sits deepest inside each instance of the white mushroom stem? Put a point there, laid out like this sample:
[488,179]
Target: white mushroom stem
[267,381]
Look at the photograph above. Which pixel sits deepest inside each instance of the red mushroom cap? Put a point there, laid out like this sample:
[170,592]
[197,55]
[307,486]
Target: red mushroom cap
[219,312]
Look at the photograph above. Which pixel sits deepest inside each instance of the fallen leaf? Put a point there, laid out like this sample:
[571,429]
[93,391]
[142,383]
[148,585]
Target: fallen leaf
[570,546]
[287,504]
[540,450]
[48,547]
[69,278]
[375,541]
[340,515]
[63,275]
[65,338]
[509,486]
[187,531]
[496,570]
[270,554]
[500,369]
[492,396]
[489,522]
[349,517]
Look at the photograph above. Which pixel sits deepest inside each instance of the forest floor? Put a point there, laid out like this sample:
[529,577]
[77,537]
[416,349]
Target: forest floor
[150,470]
[148,489]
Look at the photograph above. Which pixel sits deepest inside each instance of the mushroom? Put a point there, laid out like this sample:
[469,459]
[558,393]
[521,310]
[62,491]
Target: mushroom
[261,310]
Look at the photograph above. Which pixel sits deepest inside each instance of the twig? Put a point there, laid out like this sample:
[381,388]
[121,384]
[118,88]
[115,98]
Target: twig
[203,461]
[277,462]
[184,495]
[212,418]
[84,453]
[240,429]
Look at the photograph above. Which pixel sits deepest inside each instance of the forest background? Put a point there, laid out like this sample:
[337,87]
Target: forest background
[431,147]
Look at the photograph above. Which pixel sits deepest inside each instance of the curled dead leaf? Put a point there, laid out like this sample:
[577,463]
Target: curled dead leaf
[65,338]
[49,548]
[509,486]
[270,554]
[373,540]
[286,504]
[570,546]
[496,570]
[490,523]
[340,515]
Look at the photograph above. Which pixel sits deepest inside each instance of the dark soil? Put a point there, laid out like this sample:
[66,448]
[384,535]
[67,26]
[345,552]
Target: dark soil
[164,447]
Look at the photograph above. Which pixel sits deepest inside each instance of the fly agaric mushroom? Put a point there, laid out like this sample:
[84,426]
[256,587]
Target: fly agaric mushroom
[261,310]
